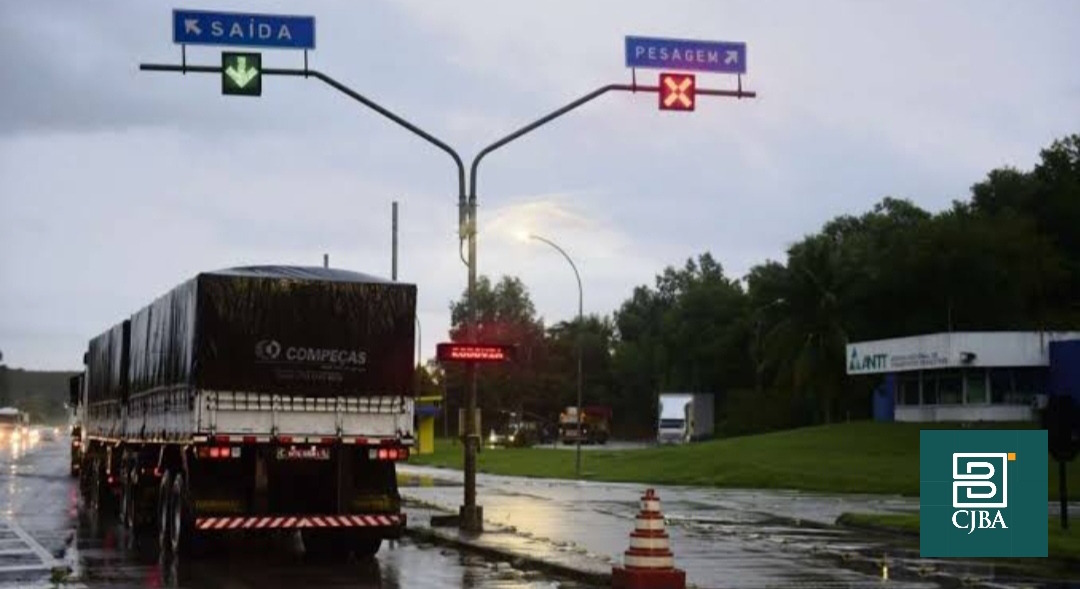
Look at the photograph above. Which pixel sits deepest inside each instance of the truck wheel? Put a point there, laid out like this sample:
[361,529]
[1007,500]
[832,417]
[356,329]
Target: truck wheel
[127,500]
[164,511]
[322,544]
[367,547]
[180,531]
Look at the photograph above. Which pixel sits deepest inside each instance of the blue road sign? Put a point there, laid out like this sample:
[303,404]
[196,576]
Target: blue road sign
[686,54]
[239,29]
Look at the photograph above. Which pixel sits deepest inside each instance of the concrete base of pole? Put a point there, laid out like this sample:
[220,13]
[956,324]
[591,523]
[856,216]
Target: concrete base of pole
[472,518]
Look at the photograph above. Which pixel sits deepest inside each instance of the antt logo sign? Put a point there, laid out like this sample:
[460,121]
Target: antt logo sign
[967,506]
[980,479]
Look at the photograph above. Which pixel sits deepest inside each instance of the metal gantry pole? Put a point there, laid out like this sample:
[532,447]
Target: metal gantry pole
[580,336]
[469,513]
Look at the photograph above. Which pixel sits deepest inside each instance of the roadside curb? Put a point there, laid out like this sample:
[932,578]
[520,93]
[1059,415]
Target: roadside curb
[435,536]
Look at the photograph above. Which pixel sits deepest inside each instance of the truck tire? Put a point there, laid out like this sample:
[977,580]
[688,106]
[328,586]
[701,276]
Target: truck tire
[325,544]
[164,510]
[181,532]
[366,548]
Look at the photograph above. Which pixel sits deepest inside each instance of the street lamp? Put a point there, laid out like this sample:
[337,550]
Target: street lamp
[580,325]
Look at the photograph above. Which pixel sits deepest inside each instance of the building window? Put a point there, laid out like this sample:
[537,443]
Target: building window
[975,382]
[1001,385]
[1028,382]
[908,389]
[950,387]
[929,389]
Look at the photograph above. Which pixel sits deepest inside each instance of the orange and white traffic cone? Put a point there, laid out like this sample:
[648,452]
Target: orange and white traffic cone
[649,563]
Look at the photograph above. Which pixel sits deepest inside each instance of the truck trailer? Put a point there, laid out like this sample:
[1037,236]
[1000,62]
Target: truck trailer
[684,417]
[258,400]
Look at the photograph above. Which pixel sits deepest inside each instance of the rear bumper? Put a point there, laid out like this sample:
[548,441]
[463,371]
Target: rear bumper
[387,524]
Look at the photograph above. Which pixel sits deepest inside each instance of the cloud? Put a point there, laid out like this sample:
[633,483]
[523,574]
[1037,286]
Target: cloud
[115,184]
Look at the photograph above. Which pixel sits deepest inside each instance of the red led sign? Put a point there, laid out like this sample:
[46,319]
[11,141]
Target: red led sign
[676,91]
[461,352]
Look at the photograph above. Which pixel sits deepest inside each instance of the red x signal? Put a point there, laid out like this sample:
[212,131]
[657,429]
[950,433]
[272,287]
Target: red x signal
[676,91]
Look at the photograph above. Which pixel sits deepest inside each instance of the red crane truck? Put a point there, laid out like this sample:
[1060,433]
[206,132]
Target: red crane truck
[262,399]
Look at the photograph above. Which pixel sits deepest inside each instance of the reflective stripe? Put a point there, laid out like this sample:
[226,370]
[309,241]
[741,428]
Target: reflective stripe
[318,522]
[649,543]
[235,523]
[262,522]
[222,523]
[642,523]
[651,505]
[649,562]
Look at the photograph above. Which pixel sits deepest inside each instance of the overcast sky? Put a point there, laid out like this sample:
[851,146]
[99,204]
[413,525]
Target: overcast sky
[116,185]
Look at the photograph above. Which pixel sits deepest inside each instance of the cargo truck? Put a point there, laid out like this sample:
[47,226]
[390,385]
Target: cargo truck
[684,417]
[257,400]
[595,425]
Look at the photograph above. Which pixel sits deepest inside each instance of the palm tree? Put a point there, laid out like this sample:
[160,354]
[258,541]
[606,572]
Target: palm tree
[807,343]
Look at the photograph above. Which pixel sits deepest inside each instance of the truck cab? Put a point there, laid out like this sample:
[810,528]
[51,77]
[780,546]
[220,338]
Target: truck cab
[684,417]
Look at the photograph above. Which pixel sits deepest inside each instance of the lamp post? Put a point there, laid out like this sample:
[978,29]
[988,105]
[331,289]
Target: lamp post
[580,325]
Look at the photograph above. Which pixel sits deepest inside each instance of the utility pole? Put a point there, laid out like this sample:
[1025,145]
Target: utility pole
[326,260]
[393,241]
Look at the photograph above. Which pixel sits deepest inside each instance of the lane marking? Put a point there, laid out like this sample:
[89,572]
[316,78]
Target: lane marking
[32,547]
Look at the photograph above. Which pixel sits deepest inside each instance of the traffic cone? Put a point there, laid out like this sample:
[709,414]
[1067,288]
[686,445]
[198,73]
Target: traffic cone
[648,563]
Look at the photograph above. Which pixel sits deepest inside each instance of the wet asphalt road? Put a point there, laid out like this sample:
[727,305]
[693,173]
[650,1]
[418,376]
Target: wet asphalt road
[42,528]
[744,539]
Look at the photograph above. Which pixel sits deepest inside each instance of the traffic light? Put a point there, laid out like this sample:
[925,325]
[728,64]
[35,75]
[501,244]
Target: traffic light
[677,91]
[241,73]
[462,352]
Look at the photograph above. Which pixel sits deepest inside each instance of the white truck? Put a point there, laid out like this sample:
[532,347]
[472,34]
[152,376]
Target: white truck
[684,417]
[255,400]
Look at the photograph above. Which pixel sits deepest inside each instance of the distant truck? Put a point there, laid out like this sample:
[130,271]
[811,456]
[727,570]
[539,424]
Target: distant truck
[260,400]
[684,417]
[595,425]
[14,425]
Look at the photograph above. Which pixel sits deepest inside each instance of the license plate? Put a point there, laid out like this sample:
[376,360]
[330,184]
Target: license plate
[300,453]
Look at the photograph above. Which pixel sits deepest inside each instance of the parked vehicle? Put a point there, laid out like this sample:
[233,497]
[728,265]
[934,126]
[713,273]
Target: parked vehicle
[684,417]
[513,430]
[259,399]
[595,425]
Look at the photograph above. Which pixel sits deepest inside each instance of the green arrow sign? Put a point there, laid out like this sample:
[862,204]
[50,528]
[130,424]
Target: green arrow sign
[241,73]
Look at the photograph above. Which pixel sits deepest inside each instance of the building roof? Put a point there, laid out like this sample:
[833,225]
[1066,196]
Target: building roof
[956,349]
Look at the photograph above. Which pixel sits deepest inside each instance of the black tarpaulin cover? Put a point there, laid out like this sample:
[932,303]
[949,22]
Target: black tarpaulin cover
[281,329]
[106,374]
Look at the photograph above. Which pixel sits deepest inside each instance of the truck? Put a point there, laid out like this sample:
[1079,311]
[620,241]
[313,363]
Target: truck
[75,387]
[595,425]
[14,425]
[684,417]
[254,400]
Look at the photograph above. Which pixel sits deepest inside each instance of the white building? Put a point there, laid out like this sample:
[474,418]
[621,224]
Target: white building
[959,376]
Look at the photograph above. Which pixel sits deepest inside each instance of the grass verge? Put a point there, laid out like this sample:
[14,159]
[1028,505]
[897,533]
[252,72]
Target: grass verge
[1063,546]
[860,457]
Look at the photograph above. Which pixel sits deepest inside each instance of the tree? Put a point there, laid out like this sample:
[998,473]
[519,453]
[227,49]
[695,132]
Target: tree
[505,315]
